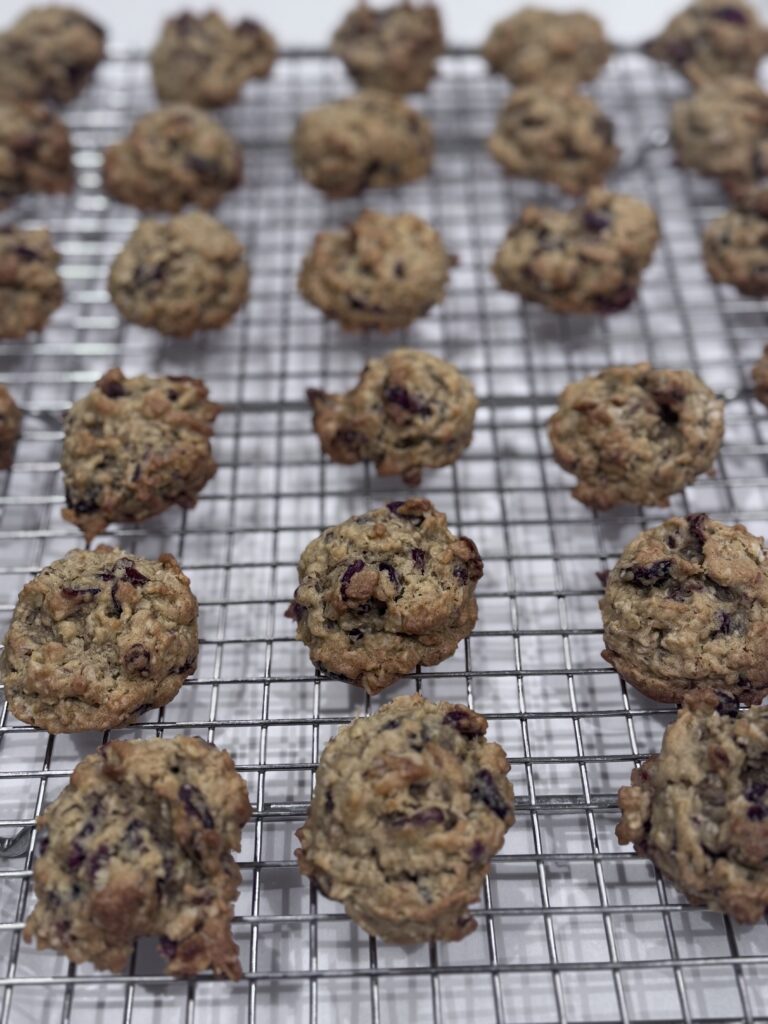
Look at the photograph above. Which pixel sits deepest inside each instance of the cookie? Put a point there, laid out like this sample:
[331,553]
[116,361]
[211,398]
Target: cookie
[382,271]
[385,592]
[635,434]
[585,260]
[30,286]
[736,251]
[760,377]
[392,48]
[370,140]
[685,610]
[98,638]
[135,446]
[548,47]
[140,843]
[49,54]
[201,59]
[409,807]
[699,809]
[34,151]
[182,275]
[552,133]
[173,156]
[10,427]
[710,39]
[408,410]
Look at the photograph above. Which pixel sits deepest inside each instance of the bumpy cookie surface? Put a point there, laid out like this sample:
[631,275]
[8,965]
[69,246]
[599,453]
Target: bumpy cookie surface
[760,377]
[635,434]
[686,609]
[409,808]
[409,410]
[201,59]
[98,638]
[182,275]
[392,48]
[135,446]
[140,843]
[370,140]
[381,271]
[552,133]
[699,809]
[49,54]
[10,427]
[586,260]
[547,46]
[712,38]
[34,151]
[173,156]
[30,286]
[384,592]
[736,251]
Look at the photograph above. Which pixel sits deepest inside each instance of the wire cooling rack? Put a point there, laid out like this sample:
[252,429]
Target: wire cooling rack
[571,926]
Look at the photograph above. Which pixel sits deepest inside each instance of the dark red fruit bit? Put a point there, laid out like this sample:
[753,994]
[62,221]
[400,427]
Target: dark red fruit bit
[400,396]
[391,572]
[603,576]
[76,857]
[98,860]
[429,816]
[131,573]
[349,572]
[419,558]
[696,526]
[117,608]
[679,593]
[464,721]
[732,14]
[756,812]
[728,704]
[204,166]
[461,574]
[42,846]
[647,575]
[596,221]
[725,623]
[477,852]
[78,592]
[26,254]
[617,301]
[485,789]
[393,723]
[395,506]
[193,801]
[137,659]
[295,611]
[756,791]
[168,947]
[329,804]
[355,635]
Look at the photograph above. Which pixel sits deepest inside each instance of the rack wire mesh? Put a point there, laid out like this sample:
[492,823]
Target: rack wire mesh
[571,926]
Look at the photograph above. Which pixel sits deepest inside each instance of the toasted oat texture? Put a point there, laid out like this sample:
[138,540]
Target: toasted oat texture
[699,809]
[371,140]
[134,446]
[552,133]
[760,377]
[711,39]
[685,610]
[385,592]
[635,434]
[49,54]
[10,427]
[30,286]
[140,843]
[547,46]
[381,271]
[409,410]
[182,275]
[173,156]
[409,807]
[392,48]
[203,60]
[98,638]
[34,151]
[736,251]
[585,260]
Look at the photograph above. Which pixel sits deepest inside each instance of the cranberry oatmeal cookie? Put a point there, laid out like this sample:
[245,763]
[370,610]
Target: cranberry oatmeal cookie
[140,844]
[34,151]
[30,286]
[409,808]
[736,251]
[10,427]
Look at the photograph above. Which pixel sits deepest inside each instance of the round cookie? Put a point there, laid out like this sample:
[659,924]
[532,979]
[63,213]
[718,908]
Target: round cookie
[203,60]
[49,54]
[182,275]
[370,140]
[173,156]
[547,46]
[736,251]
[710,39]
[135,446]
[34,151]
[30,286]
[760,377]
[409,807]
[685,610]
[385,592]
[408,410]
[635,434]
[552,133]
[699,808]
[140,843]
[98,638]
[585,260]
[382,271]
[10,427]
[392,48]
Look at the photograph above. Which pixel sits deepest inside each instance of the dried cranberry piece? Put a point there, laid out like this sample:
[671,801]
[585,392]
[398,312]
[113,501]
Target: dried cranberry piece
[647,575]
[756,812]
[756,791]
[395,506]
[393,723]
[391,572]
[27,255]
[596,221]
[137,659]
[603,576]
[193,801]
[117,608]
[617,301]
[98,860]
[696,526]
[76,857]
[463,721]
[400,396]
[728,704]
[461,574]
[477,852]
[419,558]
[168,947]
[76,592]
[130,572]
[725,624]
[204,166]
[42,845]
[349,572]
[485,789]
[732,14]
[295,611]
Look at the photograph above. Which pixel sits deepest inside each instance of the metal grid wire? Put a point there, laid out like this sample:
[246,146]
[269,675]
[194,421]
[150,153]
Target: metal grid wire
[571,926]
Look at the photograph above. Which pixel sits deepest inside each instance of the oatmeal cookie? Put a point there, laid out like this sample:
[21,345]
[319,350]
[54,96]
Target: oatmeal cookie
[140,843]
[635,434]
[135,446]
[173,156]
[685,610]
[760,377]
[409,808]
[30,286]
[408,410]
[34,151]
[10,427]
[736,251]
[385,592]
